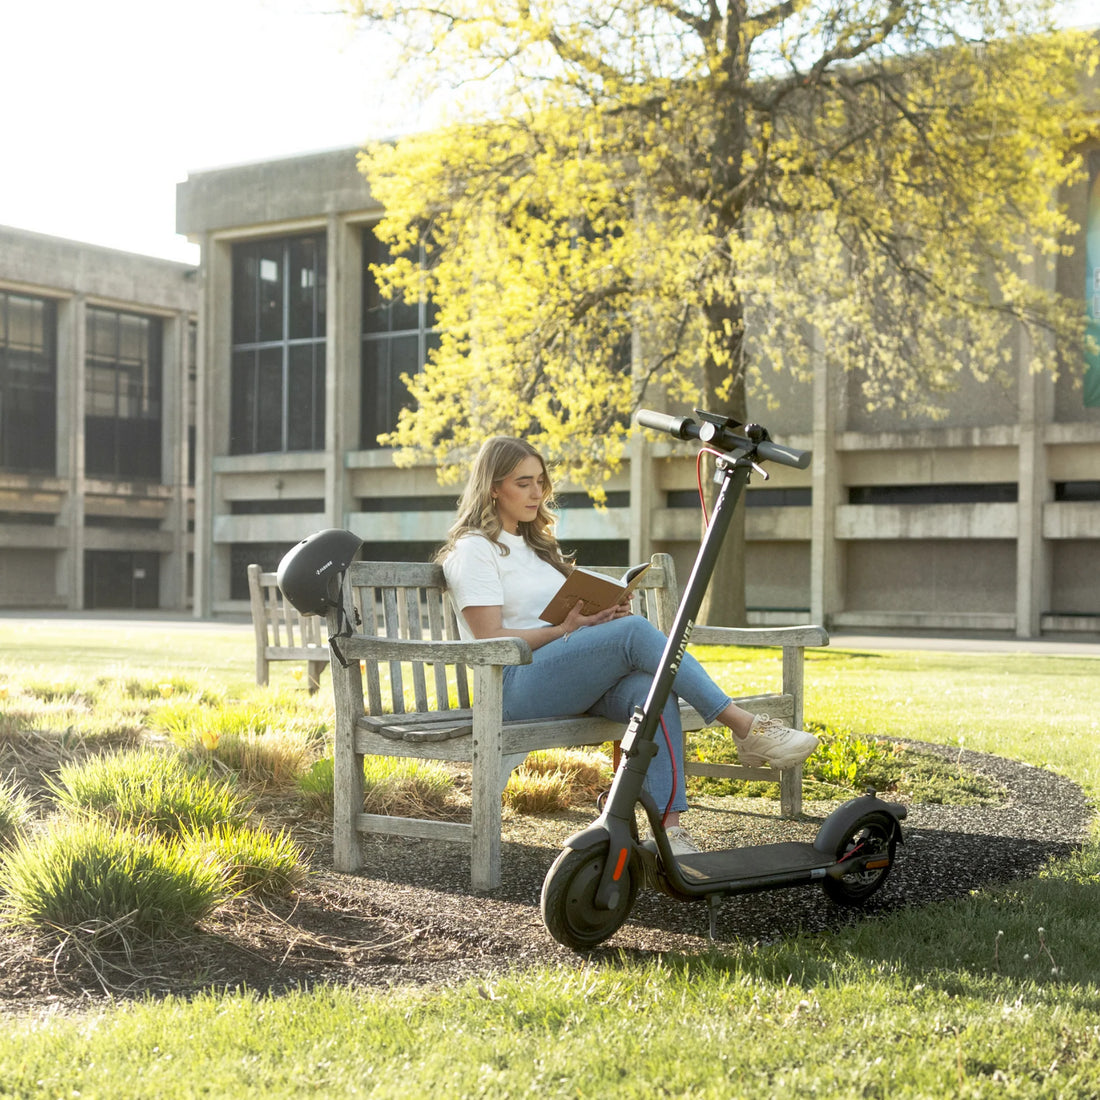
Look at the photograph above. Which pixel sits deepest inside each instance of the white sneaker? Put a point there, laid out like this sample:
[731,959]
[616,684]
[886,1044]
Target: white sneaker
[770,742]
[679,840]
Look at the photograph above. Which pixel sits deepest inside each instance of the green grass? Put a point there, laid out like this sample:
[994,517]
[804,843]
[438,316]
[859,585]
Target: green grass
[1043,710]
[993,995]
[931,1003]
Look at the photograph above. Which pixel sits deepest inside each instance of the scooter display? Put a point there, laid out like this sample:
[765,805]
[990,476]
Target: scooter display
[591,888]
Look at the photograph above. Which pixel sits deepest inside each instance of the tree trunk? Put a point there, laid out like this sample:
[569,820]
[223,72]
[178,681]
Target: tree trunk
[724,603]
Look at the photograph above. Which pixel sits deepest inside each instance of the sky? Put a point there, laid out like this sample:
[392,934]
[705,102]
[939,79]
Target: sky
[109,104]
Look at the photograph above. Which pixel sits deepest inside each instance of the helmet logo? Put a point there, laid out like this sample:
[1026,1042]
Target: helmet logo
[323,568]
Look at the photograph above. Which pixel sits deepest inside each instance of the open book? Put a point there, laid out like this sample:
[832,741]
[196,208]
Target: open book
[594,590]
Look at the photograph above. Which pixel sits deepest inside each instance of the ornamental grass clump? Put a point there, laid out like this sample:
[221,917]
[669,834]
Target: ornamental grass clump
[537,792]
[253,861]
[317,785]
[555,779]
[421,788]
[15,812]
[268,741]
[112,883]
[148,791]
[587,770]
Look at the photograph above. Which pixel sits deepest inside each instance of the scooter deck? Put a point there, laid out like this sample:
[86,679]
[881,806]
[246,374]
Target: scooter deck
[795,861]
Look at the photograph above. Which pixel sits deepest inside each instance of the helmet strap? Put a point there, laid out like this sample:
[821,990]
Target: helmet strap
[346,615]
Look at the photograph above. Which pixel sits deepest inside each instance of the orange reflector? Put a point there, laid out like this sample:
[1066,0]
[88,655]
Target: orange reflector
[620,865]
[875,864]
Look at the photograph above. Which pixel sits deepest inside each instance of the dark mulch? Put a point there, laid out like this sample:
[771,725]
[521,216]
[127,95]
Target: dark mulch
[410,917]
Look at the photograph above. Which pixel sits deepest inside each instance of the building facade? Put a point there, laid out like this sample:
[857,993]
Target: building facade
[97,384]
[986,521]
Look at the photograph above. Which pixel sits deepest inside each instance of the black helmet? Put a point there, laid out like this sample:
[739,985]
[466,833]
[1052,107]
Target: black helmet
[311,573]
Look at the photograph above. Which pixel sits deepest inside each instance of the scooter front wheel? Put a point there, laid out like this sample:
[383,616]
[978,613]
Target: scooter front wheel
[869,842]
[569,908]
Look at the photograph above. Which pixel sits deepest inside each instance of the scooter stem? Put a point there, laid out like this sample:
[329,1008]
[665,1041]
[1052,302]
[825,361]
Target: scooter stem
[638,742]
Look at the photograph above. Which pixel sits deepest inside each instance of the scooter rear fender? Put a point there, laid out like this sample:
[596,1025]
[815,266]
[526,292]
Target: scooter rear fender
[843,817]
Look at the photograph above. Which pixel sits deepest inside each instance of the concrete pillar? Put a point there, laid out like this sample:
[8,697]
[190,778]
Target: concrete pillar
[1033,558]
[344,289]
[212,391]
[173,576]
[826,553]
[72,345]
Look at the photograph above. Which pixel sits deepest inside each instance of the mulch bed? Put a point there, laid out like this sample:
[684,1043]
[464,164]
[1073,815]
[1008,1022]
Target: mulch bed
[410,918]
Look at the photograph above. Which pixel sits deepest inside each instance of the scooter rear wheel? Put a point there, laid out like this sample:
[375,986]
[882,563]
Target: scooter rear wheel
[874,835]
[569,908]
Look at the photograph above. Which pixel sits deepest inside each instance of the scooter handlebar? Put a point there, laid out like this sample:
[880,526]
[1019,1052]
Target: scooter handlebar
[683,427]
[785,456]
[679,426]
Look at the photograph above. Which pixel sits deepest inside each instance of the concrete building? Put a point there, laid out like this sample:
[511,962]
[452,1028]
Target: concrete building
[97,383]
[988,521]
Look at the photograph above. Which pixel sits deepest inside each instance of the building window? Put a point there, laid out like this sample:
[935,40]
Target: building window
[121,578]
[266,555]
[397,337]
[278,354]
[123,385]
[28,384]
[1006,492]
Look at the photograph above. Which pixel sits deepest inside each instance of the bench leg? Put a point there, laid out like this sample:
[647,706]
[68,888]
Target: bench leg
[347,777]
[315,670]
[488,765]
[790,792]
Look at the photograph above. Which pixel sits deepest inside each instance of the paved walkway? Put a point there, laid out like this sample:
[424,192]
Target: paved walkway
[1088,645]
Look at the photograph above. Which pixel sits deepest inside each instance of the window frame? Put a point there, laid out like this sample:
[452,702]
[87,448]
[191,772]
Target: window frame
[30,405]
[381,341]
[121,365]
[259,348]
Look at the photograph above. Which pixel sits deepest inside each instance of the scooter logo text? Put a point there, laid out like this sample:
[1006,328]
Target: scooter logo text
[679,656]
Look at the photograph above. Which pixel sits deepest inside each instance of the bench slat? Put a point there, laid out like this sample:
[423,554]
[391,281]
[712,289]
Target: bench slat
[420,827]
[421,727]
[280,632]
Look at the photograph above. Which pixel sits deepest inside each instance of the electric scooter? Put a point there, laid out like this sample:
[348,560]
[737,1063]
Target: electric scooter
[590,890]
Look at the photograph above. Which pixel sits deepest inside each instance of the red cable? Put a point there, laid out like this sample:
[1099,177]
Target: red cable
[699,479]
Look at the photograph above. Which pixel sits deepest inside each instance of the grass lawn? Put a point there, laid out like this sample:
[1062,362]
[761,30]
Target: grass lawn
[997,994]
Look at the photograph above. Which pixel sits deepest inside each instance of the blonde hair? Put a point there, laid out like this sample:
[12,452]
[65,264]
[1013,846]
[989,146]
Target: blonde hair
[477,514]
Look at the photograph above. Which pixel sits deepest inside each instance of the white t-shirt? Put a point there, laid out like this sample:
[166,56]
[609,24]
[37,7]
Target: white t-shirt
[520,583]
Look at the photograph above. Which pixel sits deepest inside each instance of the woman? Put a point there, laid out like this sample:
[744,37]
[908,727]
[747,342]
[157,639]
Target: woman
[503,564]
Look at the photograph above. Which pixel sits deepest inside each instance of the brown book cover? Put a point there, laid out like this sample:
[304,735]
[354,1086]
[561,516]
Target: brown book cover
[594,589]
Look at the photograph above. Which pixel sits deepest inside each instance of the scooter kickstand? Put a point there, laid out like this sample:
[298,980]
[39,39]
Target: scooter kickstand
[713,902]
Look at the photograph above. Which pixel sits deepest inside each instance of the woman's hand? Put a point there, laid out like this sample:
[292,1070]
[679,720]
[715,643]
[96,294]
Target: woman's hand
[576,617]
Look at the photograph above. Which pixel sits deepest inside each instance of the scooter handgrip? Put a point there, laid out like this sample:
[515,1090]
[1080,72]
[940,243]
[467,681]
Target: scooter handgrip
[785,456]
[682,427]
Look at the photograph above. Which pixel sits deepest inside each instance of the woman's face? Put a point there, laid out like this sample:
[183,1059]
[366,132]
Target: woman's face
[519,494]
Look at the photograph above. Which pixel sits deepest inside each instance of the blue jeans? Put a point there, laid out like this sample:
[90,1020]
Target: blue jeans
[607,670]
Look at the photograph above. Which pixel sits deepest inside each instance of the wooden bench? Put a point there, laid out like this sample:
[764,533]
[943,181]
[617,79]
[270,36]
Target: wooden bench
[405,692]
[282,633]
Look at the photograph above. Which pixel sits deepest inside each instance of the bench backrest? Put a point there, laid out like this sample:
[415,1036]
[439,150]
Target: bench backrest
[276,621]
[408,600]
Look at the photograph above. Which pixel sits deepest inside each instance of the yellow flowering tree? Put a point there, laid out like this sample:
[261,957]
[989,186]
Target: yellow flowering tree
[662,201]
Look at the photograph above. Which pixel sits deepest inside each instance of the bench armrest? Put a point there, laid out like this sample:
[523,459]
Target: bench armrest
[760,636]
[486,651]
